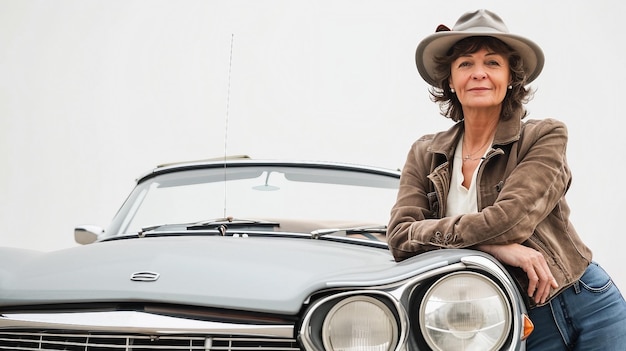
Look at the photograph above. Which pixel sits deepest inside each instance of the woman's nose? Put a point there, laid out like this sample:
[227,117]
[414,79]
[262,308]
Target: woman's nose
[478,73]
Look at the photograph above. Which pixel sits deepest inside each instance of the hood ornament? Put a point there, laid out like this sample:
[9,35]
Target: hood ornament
[145,276]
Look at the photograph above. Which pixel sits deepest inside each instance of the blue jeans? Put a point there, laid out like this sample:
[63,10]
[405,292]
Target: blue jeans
[590,315]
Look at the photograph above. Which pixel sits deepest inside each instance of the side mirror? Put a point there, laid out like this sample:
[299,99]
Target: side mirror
[87,234]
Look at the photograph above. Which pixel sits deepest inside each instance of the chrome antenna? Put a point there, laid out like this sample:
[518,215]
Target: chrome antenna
[230,65]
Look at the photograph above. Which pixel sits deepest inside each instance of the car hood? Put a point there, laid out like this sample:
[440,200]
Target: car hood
[265,274]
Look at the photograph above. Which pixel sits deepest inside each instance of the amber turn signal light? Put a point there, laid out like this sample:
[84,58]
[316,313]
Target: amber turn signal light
[528,327]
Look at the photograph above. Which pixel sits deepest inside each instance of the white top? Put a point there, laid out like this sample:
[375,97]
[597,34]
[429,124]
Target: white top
[462,200]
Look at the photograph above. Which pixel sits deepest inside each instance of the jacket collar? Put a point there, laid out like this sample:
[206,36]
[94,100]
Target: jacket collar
[508,131]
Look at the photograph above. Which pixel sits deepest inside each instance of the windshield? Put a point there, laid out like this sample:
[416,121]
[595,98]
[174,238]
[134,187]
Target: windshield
[319,197]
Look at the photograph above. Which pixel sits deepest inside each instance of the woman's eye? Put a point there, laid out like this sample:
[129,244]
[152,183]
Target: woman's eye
[493,63]
[464,64]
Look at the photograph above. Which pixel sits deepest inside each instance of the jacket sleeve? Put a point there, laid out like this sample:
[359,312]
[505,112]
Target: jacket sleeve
[412,204]
[530,192]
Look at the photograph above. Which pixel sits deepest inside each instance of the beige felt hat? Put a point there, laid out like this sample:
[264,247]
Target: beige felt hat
[477,23]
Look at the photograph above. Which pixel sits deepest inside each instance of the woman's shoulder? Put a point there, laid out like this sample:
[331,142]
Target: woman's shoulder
[435,143]
[535,129]
[545,123]
[440,136]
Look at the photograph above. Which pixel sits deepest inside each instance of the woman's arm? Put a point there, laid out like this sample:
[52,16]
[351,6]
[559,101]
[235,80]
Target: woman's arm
[528,195]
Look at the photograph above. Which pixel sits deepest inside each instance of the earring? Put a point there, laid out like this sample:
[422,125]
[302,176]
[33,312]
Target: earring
[452,90]
[510,87]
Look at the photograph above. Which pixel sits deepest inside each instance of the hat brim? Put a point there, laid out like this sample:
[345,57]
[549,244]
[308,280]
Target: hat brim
[438,44]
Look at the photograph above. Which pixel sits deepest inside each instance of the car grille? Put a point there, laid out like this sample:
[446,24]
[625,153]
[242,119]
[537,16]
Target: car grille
[75,341]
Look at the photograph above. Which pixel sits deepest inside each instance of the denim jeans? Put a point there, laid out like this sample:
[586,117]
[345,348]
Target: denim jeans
[590,315]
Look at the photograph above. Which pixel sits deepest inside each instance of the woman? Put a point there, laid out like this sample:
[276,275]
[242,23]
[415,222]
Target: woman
[497,184]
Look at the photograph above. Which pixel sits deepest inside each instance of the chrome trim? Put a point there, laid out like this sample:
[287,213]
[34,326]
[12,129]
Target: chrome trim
[397,291]
[72,340]
[139,322]
[305,329]
[145,276]
[400,289]
[508,321]
[219,163]
[512,293]
[397,285]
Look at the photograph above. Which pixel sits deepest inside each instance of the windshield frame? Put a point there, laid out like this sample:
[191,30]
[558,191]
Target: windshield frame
[247,167]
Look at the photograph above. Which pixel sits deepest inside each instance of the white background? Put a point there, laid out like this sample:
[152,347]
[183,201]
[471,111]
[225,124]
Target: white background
[94,93]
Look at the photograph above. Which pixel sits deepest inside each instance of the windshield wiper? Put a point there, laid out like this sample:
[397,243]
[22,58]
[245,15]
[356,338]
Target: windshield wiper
[143,231]
[365,231]
[219,224]
[222,224]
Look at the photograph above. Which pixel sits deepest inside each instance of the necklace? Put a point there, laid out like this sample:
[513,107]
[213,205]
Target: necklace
[468,157]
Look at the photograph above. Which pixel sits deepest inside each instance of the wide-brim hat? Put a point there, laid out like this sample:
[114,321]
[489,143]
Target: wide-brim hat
[477,23]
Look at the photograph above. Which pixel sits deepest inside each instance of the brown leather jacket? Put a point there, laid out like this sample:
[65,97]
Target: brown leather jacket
[521,188]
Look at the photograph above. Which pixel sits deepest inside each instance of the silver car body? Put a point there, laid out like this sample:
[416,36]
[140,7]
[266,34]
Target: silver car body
[250,281]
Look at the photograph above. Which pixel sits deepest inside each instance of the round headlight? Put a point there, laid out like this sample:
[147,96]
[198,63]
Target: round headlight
[465,311]
[360,323]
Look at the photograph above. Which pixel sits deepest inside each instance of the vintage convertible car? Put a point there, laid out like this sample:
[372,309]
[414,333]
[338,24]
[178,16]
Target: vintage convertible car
[242,254]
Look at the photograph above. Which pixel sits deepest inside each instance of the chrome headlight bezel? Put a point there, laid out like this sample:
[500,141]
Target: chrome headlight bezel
[462,318]
[406,294]
[320,319]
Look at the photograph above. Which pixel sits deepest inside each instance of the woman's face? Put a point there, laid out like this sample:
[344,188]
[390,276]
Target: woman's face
[480,79]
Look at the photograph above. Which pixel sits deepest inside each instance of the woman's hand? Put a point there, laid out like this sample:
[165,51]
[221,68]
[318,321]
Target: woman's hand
[540,277]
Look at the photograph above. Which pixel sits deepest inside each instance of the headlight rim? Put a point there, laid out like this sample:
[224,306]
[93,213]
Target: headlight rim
[328,319]
[311,337]
[485,276]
